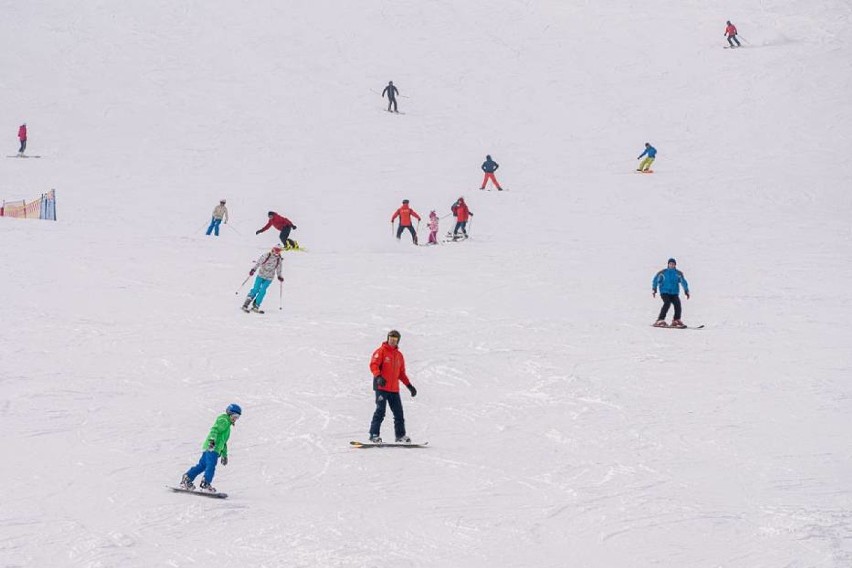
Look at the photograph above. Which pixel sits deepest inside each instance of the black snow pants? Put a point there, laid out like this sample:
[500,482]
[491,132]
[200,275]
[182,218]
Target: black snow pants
[670,300]
[384,398]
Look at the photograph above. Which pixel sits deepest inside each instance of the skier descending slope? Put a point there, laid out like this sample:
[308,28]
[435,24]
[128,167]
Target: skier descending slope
[462,214]
[731,34]
[220,215]
[405,213]
[669,280]
[22,136]
[645,165]
[267,266]
[489,166]
[388,367]
[215,449]
[392,92]
[284,225]
[434,224]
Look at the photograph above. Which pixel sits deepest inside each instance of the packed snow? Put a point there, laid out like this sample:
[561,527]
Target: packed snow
[563,429]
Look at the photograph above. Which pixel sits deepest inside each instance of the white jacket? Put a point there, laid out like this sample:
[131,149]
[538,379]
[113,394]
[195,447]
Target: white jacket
[268,265]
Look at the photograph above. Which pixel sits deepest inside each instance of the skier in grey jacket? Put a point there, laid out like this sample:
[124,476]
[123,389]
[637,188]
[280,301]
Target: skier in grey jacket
[267,267]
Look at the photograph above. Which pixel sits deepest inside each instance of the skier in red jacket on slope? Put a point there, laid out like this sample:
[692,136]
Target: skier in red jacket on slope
[731,33]
[22,136]
[388,368]
[284,225]
[405,213]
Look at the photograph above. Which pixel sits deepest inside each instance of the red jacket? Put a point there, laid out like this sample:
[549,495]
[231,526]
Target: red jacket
[278,222]
[730,30]
[405,213]
[462,212]
[22,132]
[388,362]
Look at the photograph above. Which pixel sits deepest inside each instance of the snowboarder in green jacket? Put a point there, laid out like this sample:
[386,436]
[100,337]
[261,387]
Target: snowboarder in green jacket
[215,448]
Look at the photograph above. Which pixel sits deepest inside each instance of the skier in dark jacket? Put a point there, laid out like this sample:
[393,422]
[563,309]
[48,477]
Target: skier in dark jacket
[392,93]
[489,166]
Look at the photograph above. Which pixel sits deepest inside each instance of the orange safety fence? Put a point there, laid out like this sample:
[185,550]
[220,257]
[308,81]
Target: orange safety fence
[42,208]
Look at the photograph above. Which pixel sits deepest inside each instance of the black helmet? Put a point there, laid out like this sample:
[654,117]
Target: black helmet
[404,201]
[394,333]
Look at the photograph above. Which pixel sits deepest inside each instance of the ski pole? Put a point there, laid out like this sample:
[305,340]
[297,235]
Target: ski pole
[234,228]
[206,223]
[243,284]
[280,295]
[391,228]
[470,224]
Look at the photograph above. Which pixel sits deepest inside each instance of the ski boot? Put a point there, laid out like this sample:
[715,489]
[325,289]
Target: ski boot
[677,323]
[246,305]
[661,323]
[206,487]
[375,439]
[256,309]
[403,440]
[186,483]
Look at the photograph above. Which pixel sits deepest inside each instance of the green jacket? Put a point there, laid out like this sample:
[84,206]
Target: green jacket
[220,432]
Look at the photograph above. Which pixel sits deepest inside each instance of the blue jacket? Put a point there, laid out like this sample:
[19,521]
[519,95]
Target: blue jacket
[669,281]
[651,151]
[489,166]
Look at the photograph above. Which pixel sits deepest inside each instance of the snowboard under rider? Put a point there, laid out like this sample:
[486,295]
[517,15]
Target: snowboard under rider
[462,214]
[392,92]
[284,225]
[267,267]
[405,213]
[388,367]
[214,449]
[220,215]
[650,154]
[731,34]
[489,166]
[669,280]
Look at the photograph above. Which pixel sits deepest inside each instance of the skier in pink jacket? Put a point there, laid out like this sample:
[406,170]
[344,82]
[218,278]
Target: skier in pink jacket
[433,228]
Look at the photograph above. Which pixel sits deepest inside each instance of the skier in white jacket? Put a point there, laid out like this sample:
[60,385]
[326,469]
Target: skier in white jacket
[267,266]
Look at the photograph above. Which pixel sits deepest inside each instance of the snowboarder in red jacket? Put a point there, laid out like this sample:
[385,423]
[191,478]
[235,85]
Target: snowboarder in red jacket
[388,368]
[22,136]
[731,33]
[284,225]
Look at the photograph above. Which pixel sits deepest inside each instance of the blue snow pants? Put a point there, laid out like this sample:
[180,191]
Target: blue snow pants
[207,464]
[384,398]
[214,226]
[258,292]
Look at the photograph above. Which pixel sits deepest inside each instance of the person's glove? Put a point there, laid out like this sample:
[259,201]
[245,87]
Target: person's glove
[211,444]
[251,272]
[654,294]
[258,232]
[687,295]
[381,381]
[223,460]
[412,390]
[294,227]
[281,279]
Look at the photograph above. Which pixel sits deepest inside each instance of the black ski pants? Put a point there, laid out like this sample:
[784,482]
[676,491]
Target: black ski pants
[460,225]
[284,236]
[670,300]
[384,398]
[732,39]
[23,146]
[392,101]
[401,228]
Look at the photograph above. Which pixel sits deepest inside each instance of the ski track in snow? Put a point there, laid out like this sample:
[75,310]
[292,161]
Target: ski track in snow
[563,429]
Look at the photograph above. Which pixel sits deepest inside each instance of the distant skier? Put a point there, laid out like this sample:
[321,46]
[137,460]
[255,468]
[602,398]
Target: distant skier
[669,280]
[650,154]
[462,213]
[284,225]
[388,368]
[267,267]
[489,166]
[731,33]
[392,92]
[405,213]
[433,225]
[22,136]
[215,449]
[220,214]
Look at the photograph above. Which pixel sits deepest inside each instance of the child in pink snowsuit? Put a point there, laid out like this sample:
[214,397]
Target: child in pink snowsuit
[433,228]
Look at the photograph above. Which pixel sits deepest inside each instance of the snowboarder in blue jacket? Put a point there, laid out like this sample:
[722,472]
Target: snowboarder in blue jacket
[651,154]
[215,448]
[669,280]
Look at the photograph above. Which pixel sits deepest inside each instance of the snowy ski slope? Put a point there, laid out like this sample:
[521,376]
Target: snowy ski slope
[563,429]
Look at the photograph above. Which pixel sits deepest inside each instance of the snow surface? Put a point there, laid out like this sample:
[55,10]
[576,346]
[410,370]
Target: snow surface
[563,429]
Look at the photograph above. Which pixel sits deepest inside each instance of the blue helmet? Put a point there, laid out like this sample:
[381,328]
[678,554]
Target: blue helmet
[234,409]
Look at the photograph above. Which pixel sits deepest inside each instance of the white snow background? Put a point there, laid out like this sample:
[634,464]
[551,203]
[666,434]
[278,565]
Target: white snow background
[563,429]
